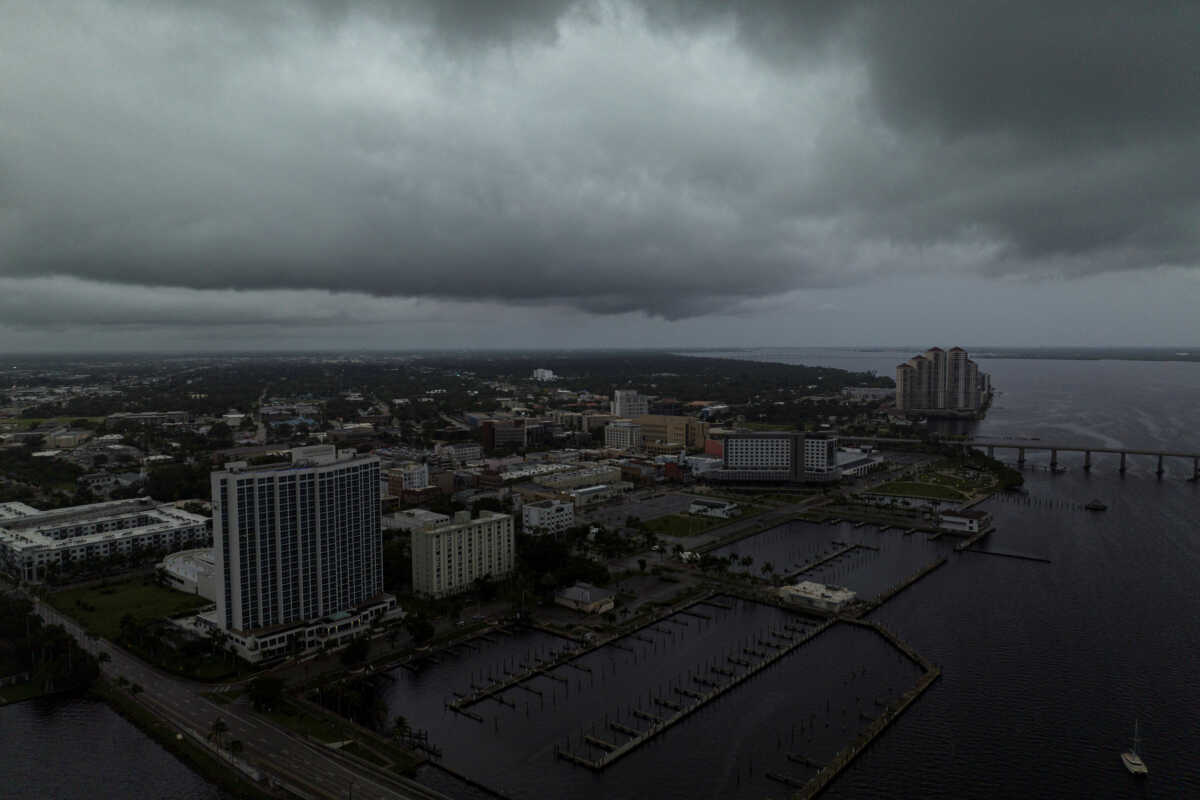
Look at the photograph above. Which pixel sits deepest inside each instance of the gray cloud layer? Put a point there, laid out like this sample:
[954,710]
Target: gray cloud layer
[665,159]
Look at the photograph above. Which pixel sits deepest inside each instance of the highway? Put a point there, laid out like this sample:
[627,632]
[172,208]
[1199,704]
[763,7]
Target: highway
[302,767]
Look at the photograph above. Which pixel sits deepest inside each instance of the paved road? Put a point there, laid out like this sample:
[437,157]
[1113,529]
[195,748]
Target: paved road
[276,751]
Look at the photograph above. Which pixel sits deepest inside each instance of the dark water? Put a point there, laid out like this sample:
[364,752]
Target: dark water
[66,748]
[810,702]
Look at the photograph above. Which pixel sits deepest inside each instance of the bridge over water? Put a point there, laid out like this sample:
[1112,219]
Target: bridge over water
[1022,446]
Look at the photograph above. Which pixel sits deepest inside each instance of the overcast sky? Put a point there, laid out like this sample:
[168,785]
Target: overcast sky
[487,173]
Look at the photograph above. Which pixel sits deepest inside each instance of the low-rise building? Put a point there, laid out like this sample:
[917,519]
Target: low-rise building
[32,541]
[970,521]
[584,476]
[586,598]
[551,516]
[192,571]
[591,495]
[448,557]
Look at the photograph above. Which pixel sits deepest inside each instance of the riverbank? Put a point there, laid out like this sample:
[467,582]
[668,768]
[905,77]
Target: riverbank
[199,760]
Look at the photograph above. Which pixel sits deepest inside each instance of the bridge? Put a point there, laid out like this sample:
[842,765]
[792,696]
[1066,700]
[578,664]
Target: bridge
[1025,445]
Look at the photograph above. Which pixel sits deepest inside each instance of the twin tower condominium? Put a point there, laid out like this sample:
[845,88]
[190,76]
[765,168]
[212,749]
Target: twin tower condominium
[298,551]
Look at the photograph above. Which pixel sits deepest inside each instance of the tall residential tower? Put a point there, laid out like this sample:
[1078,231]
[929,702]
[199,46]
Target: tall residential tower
[297,542]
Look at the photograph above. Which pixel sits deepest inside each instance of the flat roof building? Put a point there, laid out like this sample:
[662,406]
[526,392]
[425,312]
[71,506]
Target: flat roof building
[448,557]
[297,541]
[820,596]
[32,541]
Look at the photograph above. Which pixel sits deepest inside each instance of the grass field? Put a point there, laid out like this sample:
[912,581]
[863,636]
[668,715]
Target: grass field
[930,490]
[100,608]
[685,525]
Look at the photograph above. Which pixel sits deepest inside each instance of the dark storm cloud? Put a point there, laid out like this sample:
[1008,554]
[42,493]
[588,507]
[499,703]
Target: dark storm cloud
[670,159]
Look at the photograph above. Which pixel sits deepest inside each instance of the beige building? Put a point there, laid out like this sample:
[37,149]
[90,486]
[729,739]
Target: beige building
[662,430]
[623,435]
[448,557]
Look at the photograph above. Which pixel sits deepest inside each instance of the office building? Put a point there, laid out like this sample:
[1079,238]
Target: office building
[551,516]
[623,435]
[503,433]
[33,541]
[670,432]
[298,550]
[941,383]
[542,375]
[629,404]
[448,557]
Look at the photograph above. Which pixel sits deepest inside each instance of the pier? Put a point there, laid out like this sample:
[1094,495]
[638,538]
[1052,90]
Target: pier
[660,724]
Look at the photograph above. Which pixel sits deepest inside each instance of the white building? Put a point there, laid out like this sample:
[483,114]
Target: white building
[547,516]
[820,458]
[584,476]
[820,596]
[543,375]
[408,476]
[855,463]
[193,571]
[970,521]
[299,550]
[591,495]
[623,435]
[628,403]
[32,540]
[586,598]
[448,558]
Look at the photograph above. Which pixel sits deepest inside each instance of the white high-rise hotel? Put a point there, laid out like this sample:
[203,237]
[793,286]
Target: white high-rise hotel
[298,542]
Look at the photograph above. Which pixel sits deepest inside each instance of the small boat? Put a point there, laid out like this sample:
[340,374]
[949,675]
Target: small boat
[1096,505]
[1132,761]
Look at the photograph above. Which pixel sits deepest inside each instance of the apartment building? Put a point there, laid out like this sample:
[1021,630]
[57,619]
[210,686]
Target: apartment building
[448,557]
[941,381]
[33,541]
[298,550]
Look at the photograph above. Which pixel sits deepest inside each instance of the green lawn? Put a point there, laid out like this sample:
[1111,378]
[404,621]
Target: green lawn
[684,525]
[930,490]
[29,423]
[100,608]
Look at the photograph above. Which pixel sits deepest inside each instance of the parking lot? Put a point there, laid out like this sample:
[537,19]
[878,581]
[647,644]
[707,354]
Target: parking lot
[644,507]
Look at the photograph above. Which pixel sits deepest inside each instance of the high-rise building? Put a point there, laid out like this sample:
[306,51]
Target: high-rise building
[448,557]
[297,542]
[939,380]
[628,403]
